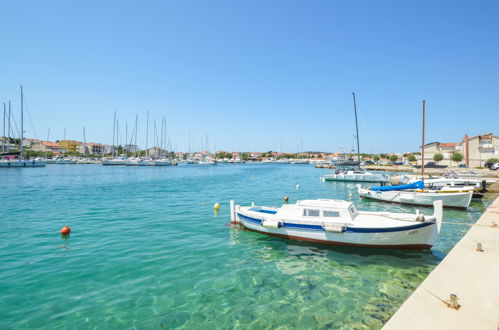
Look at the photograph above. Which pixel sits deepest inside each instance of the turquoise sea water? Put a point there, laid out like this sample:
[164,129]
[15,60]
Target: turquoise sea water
[146,251]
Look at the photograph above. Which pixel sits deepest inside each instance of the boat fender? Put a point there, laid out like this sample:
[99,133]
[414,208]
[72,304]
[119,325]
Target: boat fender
[334,228]
[271,223]
[420,218]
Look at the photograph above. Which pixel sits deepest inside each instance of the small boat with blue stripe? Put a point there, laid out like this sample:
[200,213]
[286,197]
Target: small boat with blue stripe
[338,222]
[417,194]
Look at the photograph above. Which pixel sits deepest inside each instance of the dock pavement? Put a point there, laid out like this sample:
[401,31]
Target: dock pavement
[471,272]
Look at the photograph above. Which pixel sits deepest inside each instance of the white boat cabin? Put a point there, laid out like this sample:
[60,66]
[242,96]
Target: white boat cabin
[322,210]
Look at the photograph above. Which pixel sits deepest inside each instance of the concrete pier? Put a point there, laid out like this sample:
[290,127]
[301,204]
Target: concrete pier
[467,272]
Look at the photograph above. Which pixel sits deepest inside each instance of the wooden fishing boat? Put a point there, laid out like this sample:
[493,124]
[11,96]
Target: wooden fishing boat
[338,222]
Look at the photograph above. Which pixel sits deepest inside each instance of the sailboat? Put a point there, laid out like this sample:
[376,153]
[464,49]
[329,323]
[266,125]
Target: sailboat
[357,175]
[114,160]
[418,193]
[21,162]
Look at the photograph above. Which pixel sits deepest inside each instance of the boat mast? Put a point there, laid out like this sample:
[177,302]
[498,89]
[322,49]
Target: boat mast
[422,145]
[3,140]
[356,128]
[136,132]
[147,133]
[114,132]
[84,142]
[21,156]
[9,128]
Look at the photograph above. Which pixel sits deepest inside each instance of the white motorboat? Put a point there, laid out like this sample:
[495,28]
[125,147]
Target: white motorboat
[146,162]
[358,176]
[416,194]
[445,183]
[464,175]
[132,161]
[207,162]
[163,162]
[114,161]
[339,222]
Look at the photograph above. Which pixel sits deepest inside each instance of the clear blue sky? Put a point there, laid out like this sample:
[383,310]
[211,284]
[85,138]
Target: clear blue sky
[248,73]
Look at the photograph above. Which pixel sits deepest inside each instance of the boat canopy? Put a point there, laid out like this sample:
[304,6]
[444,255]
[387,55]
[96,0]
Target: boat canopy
[414,185]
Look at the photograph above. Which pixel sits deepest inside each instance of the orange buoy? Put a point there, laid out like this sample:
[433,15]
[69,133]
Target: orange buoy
[65,230]
[286,199]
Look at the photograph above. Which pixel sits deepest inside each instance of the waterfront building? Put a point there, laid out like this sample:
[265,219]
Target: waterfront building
[46,146]
[479,148]
[131,148]
[28,143]
[476,150]
[90,148]
[70,145]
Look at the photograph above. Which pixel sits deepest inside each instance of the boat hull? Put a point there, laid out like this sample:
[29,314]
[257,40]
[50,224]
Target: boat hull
[421,236]
[450,200]
[113,162]
[358,177]
[23,163]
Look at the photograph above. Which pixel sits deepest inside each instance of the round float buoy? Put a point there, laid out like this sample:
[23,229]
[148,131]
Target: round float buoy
[286,199]
[65,231]
[297,187]
[216,206]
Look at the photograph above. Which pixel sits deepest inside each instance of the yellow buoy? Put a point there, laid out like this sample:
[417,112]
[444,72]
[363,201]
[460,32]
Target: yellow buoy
[216,206]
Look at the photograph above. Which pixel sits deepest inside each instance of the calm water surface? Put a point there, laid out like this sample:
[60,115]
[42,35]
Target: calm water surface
[146,251]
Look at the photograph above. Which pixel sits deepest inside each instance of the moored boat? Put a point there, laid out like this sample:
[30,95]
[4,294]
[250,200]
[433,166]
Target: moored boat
[163,162]
[114,161]
[357,176]
[416,194]
[338,222]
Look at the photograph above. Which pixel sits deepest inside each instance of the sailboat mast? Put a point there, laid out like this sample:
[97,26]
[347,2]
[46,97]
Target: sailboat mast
[356,128]
[84,142]
[147,133]
[136,132]
[21,156]
[114,131]
[9,127]
[422,144]
[3,140]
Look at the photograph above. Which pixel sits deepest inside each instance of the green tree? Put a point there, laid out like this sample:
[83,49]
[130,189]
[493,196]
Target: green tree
[394,158]
[376,158]
[492,160]
[244,156]
[411,158]
[457,157]
[438,157]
